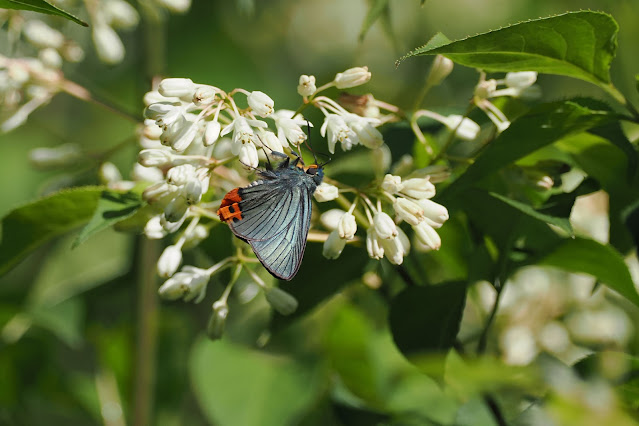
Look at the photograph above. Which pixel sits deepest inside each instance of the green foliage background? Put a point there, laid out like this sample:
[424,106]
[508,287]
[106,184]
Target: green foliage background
[350,355]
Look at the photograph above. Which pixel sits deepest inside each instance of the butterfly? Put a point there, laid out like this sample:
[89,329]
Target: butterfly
[273,214]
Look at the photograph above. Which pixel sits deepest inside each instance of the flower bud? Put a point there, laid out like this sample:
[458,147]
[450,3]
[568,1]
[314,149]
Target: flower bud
[184,137]
[155,157]
[217,322]
[108,45]
[59,156]
[485,89]
[434,214]
[211,132]
[347,226]
[306,86]
[330,218]
[393,250]
[72,52]
[204,95]
[392,184]
[183,88]
[368,135]
[180,175]
[520,80]
[373,244]
[326,192]
[333,245]
[260,103]
[50,58]
[270,140]
[169,261]
[120,14]
[41,35]
[467,130]
[408,210]
[352,77]
[153,229]
[418,188]
[109,173]
[193,191]
[280,300]
[427,235]
[248,155]
[176,209]
[384,226]
[381,158]
[441,68]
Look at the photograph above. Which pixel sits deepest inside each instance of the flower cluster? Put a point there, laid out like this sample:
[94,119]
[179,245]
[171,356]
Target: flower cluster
[411,202]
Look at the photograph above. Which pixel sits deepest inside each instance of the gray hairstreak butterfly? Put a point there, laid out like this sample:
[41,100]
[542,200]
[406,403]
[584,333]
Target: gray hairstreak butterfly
[273,214]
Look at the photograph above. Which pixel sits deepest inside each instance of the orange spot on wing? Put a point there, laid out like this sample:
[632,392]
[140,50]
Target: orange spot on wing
[230,209]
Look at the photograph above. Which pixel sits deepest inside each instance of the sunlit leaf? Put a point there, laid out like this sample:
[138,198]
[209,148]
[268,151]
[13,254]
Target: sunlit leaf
[112,208]
[26,228]
[576,44]
[40,6]
[590,257]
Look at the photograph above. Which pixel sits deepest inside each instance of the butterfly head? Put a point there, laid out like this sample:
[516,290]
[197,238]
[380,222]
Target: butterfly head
[316,171]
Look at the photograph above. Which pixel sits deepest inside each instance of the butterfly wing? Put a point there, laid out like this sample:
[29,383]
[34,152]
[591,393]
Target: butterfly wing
[275,222]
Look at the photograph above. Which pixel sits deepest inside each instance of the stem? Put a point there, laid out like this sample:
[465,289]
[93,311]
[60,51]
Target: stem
[145,351]
[495,410]
[84,94]
[483,338]
[451,137]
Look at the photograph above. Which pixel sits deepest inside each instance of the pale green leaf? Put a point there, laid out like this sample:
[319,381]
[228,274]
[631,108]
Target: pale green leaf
[40,6]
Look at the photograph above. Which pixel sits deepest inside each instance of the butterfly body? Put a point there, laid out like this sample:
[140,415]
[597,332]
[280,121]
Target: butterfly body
[273,215]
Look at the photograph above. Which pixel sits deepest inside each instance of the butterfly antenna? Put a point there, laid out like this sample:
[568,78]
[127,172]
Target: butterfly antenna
[268,160]
[307,142]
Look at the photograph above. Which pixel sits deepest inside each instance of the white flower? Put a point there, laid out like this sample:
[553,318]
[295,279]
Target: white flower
[427,235]
[204,94]
[333,246]
[180,175]
[108,45]
[347,226]
[248,155]
[155,157]
[394,250]
[467,130]
[119,14]
[163,113]
[352,77]
[367,135]
[434,214]
[242,132]
[520,80]
[330,219]
[289,127]
[338,131]
[392,184]
[260,103]
[325,192]
[158,192]
[41,35]
[306,86]
[418,188]
[384,225]
[212,132]
[485,89]
[408,210]
[154,229]
[373,244]
[169,261]
[183,88]
[190,283]
[272,142]
[441,68]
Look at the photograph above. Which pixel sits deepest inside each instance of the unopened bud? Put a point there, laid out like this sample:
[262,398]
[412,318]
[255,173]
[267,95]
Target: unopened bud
[306,86]
[280,300]
[352,77]
[217,321]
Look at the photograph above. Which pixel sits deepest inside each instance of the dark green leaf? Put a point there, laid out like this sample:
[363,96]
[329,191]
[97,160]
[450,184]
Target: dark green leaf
[576,44]
[561,222]
[112,208]
[590,257]
[40,6]
[375,11]
[26,228]
[281,389]
[630,216]
[541,126]
[426,319]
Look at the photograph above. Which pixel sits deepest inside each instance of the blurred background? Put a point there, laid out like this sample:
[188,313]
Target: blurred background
[69,318]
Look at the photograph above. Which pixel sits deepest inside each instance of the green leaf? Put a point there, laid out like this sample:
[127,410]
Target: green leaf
[238,386]
[576,44]
[28,227]
[561,222]
[426,319]
[112,208]
[541,126]
[40,6]
[590,257]
[375,11]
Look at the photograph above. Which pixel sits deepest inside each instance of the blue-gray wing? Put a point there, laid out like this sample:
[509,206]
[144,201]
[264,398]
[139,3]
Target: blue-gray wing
[275,222]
